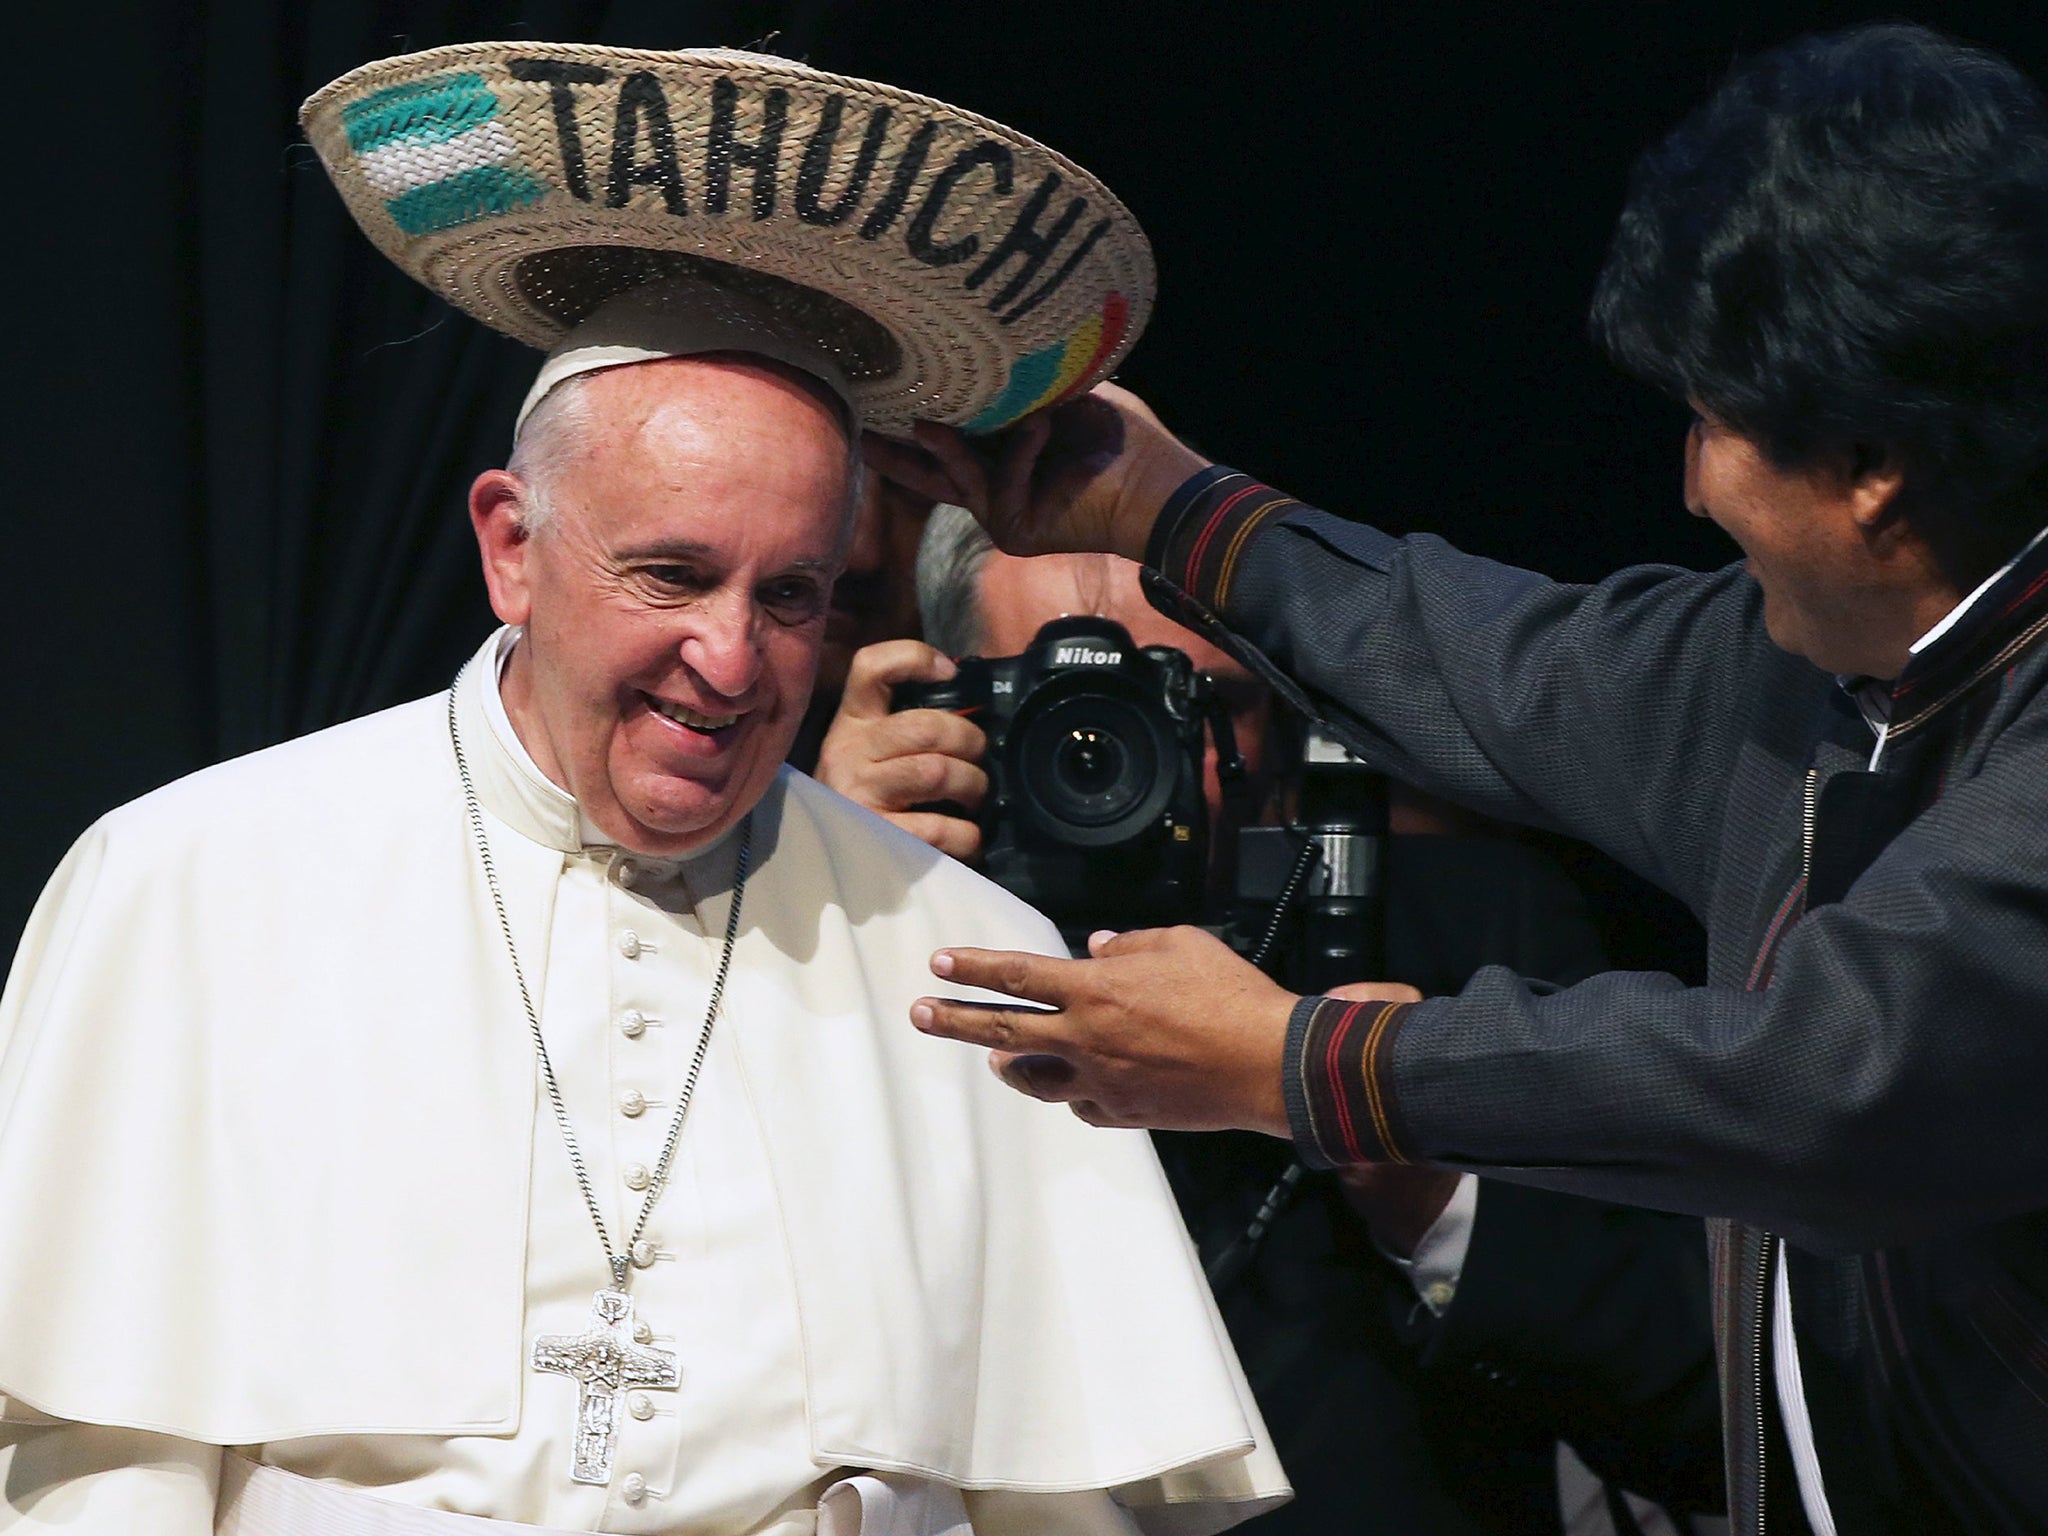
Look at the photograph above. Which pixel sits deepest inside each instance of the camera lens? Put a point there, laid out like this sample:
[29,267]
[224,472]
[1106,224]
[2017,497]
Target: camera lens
[1089,762]
[1091,767]
[1087,752]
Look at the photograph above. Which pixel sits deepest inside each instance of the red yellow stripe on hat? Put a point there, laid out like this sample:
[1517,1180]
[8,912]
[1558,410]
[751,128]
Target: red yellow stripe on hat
[1049,375]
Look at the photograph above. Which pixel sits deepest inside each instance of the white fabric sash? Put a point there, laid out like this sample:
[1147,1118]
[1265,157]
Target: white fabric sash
[256,1500]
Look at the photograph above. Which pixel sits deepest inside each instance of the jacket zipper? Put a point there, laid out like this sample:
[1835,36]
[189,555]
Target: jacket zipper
[1809,809]
[1763,1313]
[1809,806]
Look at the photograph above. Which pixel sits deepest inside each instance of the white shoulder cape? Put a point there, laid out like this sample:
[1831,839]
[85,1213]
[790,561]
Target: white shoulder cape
[266,1104]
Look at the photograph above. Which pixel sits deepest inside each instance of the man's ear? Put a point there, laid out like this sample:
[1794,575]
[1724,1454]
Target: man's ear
[1874,476]
[497,503]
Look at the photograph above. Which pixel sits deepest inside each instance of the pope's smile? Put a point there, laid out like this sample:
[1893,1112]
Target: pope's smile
[690,719]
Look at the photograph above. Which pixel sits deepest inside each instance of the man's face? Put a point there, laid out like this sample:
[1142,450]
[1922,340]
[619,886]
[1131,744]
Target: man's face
[1824,597]
[1019,595]
[674,606]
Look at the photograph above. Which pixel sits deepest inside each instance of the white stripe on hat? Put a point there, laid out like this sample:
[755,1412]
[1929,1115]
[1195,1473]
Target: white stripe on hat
[404,164]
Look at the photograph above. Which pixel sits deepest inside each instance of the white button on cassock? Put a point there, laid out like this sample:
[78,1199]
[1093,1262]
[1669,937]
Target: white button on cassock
[633,1023]
[643,1254]
[640,1405]
[629,944]
[633,1488]
[643,1332]
[637,1176]
[632,1103]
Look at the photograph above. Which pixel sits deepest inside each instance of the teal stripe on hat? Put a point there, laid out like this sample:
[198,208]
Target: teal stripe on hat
[1030,379]
[425,111]
[465,197]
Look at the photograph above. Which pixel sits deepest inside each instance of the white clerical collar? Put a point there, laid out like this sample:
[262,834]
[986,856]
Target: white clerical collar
[509,782]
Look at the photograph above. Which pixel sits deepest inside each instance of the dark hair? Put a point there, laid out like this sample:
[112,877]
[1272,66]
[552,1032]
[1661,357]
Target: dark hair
[1848,245]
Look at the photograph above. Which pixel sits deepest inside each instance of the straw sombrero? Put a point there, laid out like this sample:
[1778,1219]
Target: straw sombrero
[956,270]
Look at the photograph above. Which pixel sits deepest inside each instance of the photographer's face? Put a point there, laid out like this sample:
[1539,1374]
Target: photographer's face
[1019,595]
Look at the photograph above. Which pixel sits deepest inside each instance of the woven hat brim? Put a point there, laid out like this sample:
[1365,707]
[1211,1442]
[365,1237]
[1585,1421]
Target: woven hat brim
[960,271]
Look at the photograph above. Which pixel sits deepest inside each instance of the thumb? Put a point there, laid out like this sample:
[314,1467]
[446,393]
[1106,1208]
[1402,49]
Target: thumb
[876,669]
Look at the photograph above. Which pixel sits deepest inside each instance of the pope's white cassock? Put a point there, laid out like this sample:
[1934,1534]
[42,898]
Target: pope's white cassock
[276,1175]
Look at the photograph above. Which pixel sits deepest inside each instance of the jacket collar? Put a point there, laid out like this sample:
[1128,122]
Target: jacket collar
[1985,633]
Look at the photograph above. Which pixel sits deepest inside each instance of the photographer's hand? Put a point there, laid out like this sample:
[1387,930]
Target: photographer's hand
[892,762]
[1161,1027]
[1091,474]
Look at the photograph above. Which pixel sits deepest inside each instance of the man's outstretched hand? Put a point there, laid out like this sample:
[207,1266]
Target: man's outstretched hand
[1162,1027]
[1091,474]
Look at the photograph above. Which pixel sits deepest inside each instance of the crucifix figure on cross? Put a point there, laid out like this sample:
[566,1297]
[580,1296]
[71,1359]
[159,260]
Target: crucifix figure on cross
[605,1360]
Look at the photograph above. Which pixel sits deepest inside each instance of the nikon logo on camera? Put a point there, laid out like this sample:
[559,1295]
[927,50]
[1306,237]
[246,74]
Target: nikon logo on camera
[1085,656]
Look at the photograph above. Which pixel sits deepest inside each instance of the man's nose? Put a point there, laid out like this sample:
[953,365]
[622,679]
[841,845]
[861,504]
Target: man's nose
[723,644]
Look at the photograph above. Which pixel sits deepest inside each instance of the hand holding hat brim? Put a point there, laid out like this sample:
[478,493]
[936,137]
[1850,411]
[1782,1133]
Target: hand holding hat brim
[1092,474]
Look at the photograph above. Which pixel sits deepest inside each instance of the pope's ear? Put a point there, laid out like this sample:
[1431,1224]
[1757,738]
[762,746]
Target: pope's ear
[497,510]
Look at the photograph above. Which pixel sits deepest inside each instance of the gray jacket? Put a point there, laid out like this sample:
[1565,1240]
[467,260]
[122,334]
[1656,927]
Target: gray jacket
[1866,1073]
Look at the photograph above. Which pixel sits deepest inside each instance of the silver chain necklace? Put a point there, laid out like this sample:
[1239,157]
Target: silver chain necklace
[611,1354]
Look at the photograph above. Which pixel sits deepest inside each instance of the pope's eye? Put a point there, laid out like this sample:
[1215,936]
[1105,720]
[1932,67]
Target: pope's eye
[797,597]
[681,578]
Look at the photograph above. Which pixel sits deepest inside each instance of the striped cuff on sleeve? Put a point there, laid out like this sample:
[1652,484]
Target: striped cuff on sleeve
[1204,528]
[1336,1069]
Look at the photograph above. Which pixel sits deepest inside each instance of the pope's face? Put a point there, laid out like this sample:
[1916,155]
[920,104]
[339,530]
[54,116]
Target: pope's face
[675,603]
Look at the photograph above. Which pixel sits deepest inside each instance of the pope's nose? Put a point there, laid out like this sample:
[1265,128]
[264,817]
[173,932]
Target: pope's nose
[723,648]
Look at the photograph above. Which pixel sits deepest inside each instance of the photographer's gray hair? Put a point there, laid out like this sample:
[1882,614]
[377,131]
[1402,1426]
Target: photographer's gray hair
[949,561]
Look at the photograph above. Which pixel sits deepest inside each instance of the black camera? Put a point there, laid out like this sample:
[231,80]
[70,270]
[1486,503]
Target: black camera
[1094,813]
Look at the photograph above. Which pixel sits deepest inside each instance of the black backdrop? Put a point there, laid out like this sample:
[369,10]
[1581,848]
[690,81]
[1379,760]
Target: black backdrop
[235,459]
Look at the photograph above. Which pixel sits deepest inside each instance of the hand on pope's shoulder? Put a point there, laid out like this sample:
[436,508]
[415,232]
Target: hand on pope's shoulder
[1090,474]
[894,763]
[1165,1028]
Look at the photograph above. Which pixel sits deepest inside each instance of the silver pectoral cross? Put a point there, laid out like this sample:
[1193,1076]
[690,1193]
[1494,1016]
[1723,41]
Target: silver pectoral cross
[605,1360]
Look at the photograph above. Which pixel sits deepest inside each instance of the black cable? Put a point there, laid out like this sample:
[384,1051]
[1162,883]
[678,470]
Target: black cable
[1290,889]
[1229,1266]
